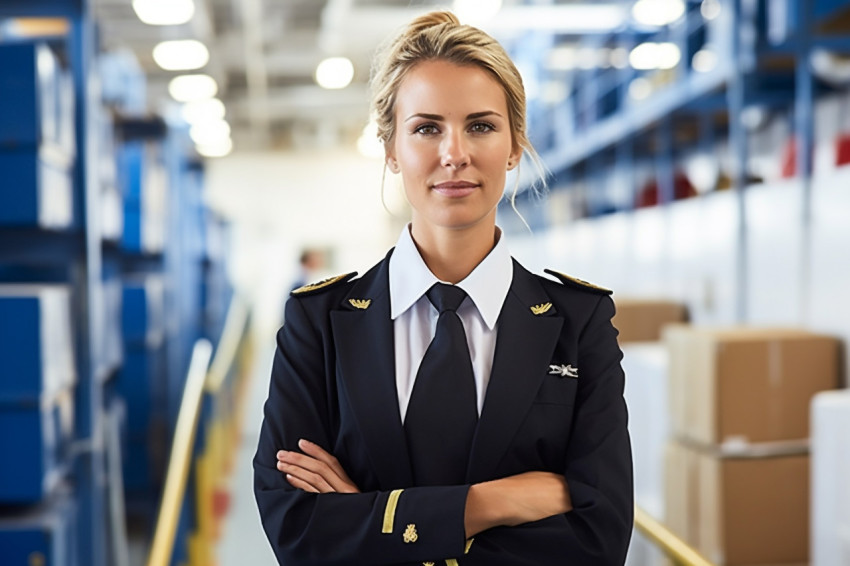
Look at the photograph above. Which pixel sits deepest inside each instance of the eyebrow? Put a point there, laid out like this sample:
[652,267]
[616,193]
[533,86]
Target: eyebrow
[437,117]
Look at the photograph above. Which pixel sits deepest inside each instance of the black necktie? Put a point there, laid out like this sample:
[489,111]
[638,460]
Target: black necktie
[442,412]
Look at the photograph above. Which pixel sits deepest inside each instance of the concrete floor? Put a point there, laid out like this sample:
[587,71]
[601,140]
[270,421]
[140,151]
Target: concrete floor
[243,540]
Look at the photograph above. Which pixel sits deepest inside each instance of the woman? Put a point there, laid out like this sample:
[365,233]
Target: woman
[511,448]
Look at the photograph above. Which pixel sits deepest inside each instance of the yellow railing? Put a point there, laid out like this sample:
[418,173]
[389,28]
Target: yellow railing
[663,538]
[203,377]
[181,453]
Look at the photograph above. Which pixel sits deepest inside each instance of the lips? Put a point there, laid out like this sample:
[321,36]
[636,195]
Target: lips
[455,189]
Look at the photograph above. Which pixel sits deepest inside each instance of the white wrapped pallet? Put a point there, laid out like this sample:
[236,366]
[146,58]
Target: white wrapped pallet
[830,533]
[645,365]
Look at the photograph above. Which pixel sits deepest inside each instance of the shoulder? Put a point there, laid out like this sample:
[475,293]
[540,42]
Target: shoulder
[574,283]
[323,286]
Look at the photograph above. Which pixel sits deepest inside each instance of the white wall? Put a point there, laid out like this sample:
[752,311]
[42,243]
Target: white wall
[281,202]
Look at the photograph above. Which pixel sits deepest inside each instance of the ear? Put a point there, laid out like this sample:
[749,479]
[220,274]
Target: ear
[391,162]
[514,158]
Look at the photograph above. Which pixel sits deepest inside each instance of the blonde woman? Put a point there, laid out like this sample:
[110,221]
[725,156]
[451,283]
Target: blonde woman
[447,407]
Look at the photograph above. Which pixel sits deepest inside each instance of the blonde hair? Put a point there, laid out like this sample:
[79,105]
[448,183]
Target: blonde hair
[441,36]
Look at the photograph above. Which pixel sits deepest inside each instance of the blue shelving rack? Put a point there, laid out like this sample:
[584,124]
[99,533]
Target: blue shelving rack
[763,50]
[74,256]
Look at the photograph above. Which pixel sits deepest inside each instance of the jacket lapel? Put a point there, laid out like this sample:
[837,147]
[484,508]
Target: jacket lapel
[366,361]
[524,347]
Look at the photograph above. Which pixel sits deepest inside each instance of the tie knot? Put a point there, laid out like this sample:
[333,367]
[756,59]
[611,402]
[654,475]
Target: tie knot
[446,297]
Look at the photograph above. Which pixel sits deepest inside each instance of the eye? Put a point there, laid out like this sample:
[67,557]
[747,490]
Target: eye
[426,129]
[481,127]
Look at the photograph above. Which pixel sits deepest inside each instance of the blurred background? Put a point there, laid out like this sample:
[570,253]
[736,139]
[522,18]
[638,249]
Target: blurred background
[171,169]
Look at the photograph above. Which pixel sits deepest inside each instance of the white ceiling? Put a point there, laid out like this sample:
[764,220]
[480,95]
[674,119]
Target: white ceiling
[264,53]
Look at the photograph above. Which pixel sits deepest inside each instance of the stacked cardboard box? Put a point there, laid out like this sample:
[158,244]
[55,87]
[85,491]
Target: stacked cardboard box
[641,320]
[737,468]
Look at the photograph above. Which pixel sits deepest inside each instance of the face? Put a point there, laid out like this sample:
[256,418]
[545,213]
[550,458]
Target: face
[452,144]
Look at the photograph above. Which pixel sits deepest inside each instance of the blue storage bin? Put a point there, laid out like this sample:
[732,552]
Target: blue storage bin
[43,535]
[36,342]
[37,189]
[29,89]
[36,440]
[142,311]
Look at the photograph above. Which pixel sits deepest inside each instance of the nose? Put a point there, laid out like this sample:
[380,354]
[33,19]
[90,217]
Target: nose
[454,150]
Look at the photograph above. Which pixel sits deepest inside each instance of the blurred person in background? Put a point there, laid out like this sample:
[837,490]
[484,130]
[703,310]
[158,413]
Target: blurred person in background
[310,263]
[448,406]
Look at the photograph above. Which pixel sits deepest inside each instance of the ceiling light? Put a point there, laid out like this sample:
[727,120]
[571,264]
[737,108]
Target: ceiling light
[334,73]
[187,88]
[640,89]
[207,110]
[704,60]
[181,55]
[476,12]
[210,133]
[648,56]
[710,9]
[562,58]
[658,12]
[219,149]
[164,12]
[620,57]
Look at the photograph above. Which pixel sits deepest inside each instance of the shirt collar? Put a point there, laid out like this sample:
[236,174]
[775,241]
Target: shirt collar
[487,285]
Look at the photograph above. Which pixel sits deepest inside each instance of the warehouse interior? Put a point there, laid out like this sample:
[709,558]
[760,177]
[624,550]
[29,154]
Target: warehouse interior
[171,169]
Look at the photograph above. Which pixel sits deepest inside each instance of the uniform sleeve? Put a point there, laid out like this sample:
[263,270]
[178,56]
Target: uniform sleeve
[597,530]
[382,527]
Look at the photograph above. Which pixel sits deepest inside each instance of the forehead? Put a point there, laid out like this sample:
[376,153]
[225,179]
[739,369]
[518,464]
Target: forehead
[442,87]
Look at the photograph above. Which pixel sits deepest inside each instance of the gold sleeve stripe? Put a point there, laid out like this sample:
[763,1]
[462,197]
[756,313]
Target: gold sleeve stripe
[451,562]
[468,546]
[389,512]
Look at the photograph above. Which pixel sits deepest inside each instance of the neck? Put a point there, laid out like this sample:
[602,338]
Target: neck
[452,254]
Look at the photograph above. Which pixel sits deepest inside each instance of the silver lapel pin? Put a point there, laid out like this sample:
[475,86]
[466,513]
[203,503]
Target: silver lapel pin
[563,370]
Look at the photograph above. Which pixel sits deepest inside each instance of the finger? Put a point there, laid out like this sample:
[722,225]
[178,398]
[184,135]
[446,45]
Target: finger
[316,451]
[320,454]
[300,484]
[317,481]
[328,476]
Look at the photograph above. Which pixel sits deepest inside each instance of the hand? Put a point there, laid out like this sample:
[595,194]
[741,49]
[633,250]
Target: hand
[315,471]
[514,500]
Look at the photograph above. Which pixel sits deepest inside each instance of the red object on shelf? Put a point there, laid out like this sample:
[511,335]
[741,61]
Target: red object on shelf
[842,149]
[682,189]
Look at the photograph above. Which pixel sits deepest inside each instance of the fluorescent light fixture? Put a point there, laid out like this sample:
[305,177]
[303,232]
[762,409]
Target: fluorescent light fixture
[181,55]
[210,133]
[562,58]
[561,18]
[187,88]
[710,9]
[219,149]
[640,89]
[647,56]
[208,110]
[334,73]
[704,60]
[620,57]
[476,12]
[658,12]
[164,12]
[553,92]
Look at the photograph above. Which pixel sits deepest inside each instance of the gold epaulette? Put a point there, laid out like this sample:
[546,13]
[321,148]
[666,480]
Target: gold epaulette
[578,283]
[322,285]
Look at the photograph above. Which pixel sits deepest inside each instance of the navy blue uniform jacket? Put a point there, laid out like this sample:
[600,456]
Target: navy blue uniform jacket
[333,382]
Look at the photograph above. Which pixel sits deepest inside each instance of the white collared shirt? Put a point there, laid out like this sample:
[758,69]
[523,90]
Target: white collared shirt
[415,318]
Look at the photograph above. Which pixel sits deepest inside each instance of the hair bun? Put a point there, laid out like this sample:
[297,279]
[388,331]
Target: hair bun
[430,20]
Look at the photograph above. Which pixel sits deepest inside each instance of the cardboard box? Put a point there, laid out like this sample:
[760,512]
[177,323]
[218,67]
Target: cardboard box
[746,385]
[641,320]
[739,510]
